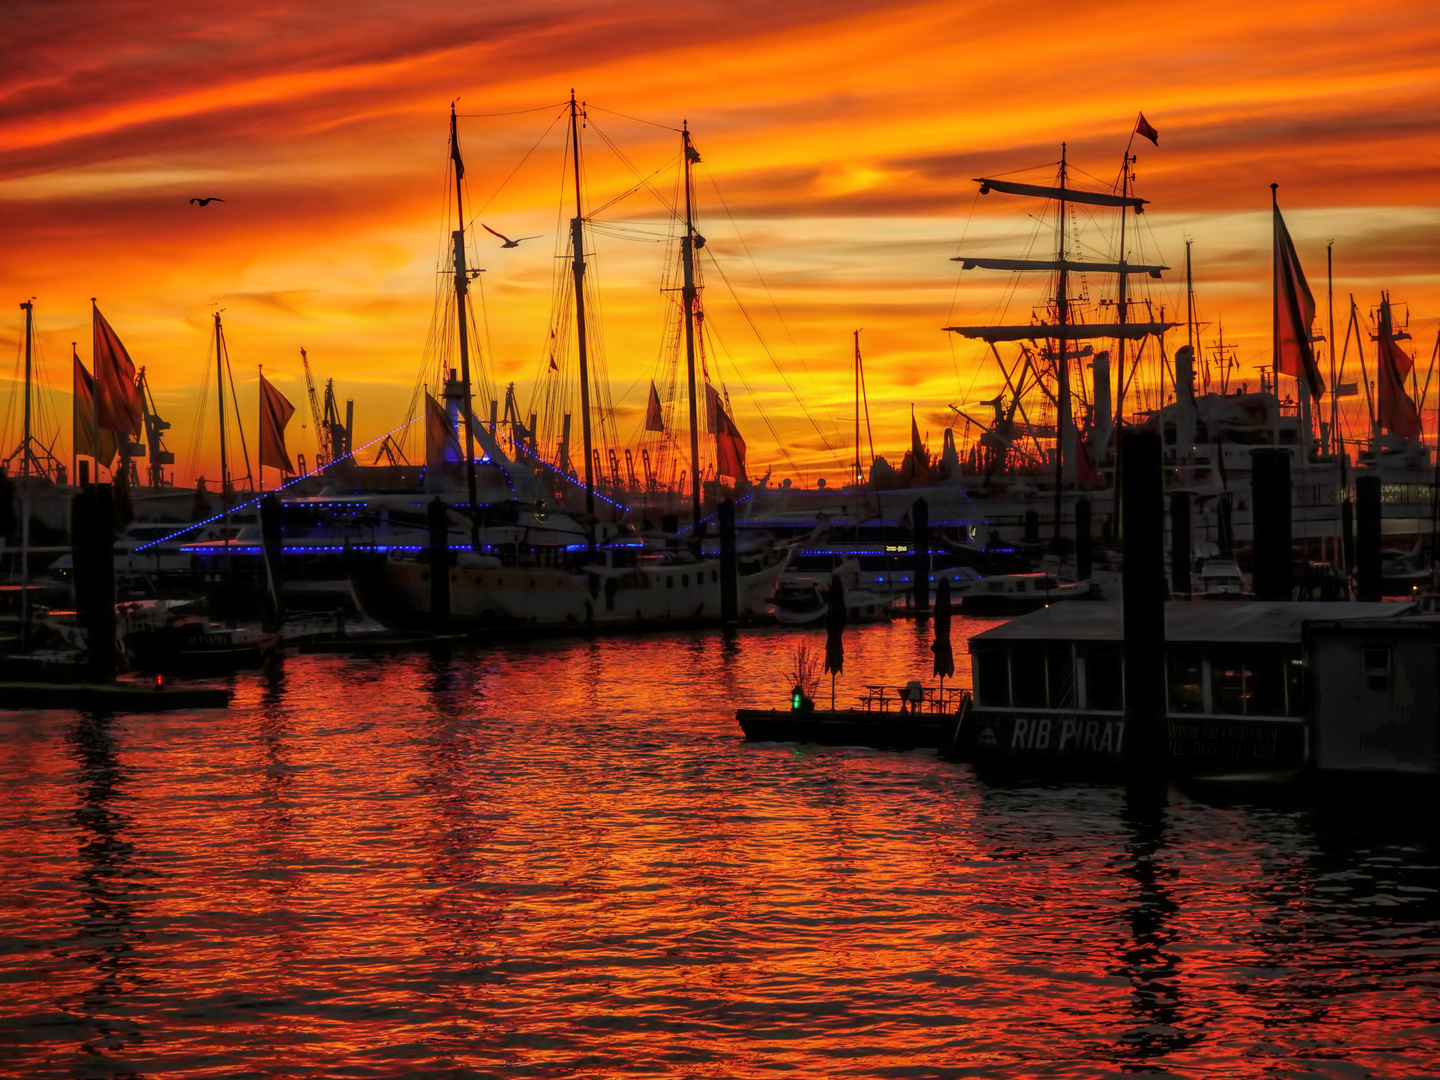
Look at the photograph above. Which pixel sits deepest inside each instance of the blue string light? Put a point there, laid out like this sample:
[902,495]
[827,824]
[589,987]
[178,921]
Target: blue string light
[282,487]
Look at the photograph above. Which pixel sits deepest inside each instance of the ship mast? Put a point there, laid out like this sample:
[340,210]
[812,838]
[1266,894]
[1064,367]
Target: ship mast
[689,294]
[29,307]
[1062,369]
[577,243]
[462,287]
[1122,303]
[857,407]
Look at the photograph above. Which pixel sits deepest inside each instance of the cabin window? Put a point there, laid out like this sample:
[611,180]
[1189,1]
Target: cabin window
[1187,681]
[669,581]
[992,678]
[1060,674]
[685,581]
[1104,689]
[1376,663]
[1027,671]
[1248,683]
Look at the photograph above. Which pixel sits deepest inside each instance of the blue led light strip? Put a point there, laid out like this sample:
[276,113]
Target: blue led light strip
[566,476]
[282,487]
[716,514]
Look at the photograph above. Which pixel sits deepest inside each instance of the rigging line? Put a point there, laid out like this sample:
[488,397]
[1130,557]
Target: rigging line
[644,179]
[638,120]
[764,419]
[774,362]
[763,284]
[496,193]
[513,112]
[776,307]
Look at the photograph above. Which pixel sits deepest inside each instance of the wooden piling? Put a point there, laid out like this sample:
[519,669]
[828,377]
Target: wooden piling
[437,520]
[729,582]
[1146,741]
[1270,508]
[920,566]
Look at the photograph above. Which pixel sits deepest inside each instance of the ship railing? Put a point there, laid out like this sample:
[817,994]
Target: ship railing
[913,697]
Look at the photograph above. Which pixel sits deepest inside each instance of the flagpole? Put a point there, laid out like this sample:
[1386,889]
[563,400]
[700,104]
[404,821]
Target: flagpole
[260,426]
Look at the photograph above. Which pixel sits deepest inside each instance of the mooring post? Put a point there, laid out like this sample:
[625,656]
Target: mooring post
[1145,750]
[920,522]
[1270,512]
[438,521]
[1180,544]
[92,532]
[1368,580]
[272,547]
[729,570]
[1082,539]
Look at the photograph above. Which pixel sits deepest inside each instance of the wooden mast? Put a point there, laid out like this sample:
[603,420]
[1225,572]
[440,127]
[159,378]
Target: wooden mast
[29,307]
[462,287]
[577,243]
[1062,369]
[857,407]
[220,399]
[689,294]
[1122,303]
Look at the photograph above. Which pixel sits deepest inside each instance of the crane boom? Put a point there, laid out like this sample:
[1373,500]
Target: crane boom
[322,431]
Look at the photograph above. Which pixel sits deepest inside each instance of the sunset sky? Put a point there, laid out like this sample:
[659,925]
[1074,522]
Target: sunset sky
[843,136]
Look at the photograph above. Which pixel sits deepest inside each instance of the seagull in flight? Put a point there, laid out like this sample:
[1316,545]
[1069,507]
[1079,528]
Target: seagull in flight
[204,202]
[508,242]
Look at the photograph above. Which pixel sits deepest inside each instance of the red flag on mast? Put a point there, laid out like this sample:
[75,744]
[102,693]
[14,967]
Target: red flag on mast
[729,447]
[654,420]
[1143,128]
[1395,409]
[1294,312]
[275,413]
[117,403]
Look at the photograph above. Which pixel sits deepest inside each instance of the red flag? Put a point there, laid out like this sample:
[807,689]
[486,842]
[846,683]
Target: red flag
[88,442]
[442,444]
[1396,410]
[653,419]
[1143,128]
[117,396]
[275,413]
[729,447]
[1294,312]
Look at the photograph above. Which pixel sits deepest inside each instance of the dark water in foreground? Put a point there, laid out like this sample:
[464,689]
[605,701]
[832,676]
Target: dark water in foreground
[559,860]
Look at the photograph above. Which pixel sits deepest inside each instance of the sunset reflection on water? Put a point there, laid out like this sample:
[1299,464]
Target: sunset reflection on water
[560,859]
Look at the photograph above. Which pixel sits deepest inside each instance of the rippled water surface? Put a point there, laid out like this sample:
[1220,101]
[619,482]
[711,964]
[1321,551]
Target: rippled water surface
[560,860]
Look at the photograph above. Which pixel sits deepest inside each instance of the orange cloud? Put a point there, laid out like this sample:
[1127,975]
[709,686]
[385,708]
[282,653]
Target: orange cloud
[843,138]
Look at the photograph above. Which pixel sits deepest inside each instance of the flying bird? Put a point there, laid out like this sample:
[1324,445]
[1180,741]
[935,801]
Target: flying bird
[203,202]
[508,242]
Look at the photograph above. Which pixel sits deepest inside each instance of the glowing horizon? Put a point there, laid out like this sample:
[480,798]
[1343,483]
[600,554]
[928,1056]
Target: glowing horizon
[841,138]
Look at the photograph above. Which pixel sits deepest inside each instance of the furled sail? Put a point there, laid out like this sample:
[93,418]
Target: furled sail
[1074,195]
[968,262]
[1070,331]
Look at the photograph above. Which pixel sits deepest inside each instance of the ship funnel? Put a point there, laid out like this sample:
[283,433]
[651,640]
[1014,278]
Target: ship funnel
[1185,374]
[1100,372]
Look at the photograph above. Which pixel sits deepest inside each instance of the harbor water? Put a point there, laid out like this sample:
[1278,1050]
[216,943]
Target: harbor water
[559,859]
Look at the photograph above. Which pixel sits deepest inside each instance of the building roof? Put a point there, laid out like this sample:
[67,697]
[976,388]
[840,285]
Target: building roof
[1257,621]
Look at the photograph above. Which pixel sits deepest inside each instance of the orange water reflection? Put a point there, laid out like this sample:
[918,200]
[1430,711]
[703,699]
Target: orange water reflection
[560,859]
